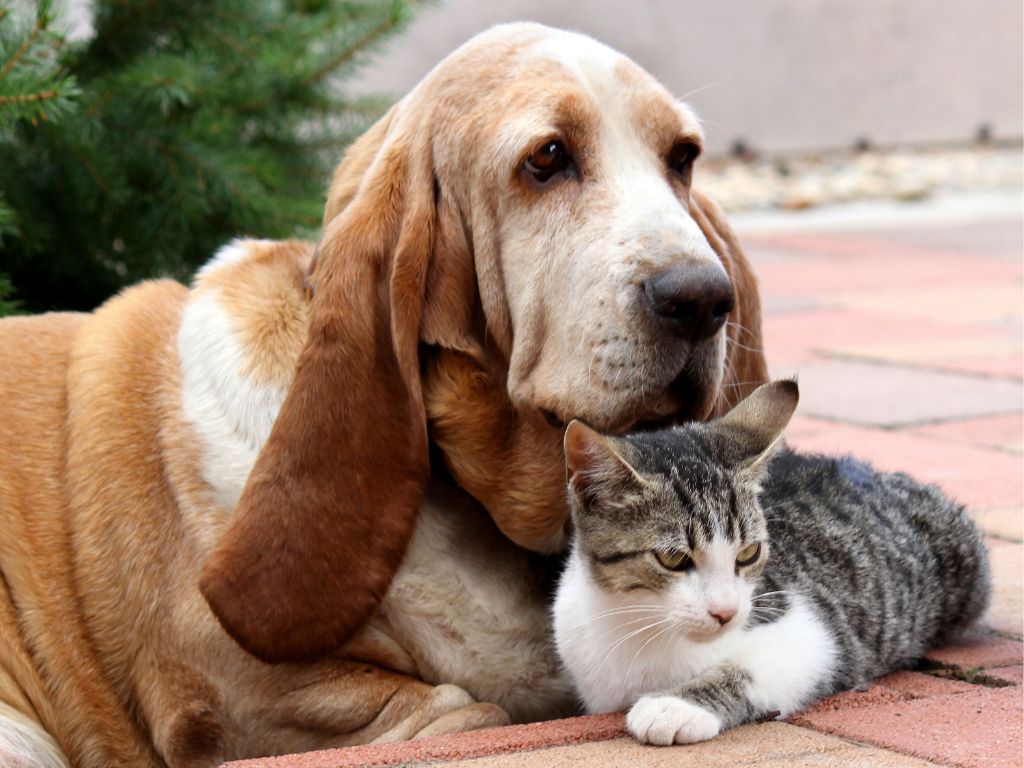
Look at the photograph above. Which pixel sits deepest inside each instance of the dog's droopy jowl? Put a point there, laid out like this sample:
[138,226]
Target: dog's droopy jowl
[221,534]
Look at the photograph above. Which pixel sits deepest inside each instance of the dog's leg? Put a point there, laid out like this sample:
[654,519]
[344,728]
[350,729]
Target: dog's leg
[443,709]
[347,703]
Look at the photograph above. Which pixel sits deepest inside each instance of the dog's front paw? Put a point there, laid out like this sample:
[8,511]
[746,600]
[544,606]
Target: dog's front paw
[670,720]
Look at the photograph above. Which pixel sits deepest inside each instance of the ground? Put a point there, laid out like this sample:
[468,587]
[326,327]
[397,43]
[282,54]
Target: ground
[903,322]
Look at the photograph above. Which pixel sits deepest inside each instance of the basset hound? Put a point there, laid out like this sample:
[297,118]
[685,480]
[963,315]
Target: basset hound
[307,501]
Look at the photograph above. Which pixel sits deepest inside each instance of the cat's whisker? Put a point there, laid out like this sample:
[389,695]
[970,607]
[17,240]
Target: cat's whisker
[759,609]
[767,608]
[624,610]
[611,650]
[647,642]
[770,594]
[623,625]
[621,608]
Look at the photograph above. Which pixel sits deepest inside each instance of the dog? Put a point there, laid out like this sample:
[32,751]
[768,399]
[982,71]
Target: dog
[307,501]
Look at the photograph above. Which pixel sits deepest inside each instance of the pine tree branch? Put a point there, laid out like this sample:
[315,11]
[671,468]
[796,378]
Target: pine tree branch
[37,28]
[375,34]
[24,98]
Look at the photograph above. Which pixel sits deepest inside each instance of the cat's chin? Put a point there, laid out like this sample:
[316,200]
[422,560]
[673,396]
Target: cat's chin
[709,634]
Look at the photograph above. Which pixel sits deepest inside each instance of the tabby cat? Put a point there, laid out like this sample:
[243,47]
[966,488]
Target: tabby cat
[717,578]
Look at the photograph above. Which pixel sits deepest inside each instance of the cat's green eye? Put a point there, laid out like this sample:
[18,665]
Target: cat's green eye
[749,554]
[673,559]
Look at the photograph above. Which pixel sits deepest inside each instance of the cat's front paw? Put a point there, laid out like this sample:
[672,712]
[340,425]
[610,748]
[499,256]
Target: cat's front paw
[670,720]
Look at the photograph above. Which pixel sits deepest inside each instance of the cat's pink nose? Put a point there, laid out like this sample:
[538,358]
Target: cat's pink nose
[722,615]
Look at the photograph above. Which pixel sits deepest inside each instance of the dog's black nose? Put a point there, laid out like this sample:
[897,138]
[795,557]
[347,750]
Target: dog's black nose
[694,300]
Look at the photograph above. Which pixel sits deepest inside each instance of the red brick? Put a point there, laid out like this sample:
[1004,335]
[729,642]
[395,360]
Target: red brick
[795,337]
[1005,523]
[878,394]
[1004,431]
[1006,365]
[767,745]
[1013,675]
[1006,611]
[490,741]
[806,425]
[974,476]
[980,729]
[874,696]
[981,651]
[917,685]
[896,687]
[996,303]
[876,273]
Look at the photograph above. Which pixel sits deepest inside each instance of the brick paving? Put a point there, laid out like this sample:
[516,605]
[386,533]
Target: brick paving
[907,342]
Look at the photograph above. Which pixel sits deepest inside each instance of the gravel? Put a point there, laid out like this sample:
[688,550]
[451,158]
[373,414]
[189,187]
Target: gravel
[807,181]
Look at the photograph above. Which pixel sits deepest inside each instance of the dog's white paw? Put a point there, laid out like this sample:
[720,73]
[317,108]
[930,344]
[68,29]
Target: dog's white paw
[670,720]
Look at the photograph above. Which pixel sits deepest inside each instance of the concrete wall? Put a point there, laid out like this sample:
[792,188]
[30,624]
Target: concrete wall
[782,75]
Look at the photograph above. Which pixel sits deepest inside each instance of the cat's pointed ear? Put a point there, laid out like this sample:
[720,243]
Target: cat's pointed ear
[751,432]
[594,464]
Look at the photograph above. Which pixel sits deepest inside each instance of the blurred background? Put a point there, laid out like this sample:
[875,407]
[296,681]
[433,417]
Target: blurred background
[137,136]
[780,75]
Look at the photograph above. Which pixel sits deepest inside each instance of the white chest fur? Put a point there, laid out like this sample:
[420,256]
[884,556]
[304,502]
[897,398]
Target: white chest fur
[231,416]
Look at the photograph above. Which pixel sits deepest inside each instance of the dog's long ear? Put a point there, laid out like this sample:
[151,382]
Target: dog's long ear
[745,367]
[330,504]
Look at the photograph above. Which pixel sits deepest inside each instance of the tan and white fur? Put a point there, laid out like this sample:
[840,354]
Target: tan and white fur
[206,492]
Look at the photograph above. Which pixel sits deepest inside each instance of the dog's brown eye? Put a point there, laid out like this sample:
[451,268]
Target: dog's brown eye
[673,559]
[680,159]
[748,555]
[548,160]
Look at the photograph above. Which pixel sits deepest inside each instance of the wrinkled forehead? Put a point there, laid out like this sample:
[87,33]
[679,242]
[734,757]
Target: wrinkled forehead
[570,85]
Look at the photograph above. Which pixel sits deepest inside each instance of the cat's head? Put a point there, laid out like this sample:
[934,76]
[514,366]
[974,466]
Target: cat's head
[671,518]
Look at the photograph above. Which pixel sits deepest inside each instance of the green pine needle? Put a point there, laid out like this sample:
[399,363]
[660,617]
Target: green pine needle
[176,127]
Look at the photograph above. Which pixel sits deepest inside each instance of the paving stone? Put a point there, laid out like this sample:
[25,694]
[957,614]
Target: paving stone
[881,395]
[1005,431]
[768,745]
[872,697]
[977,477]
[1005,613]
[980,729]
[489,741]
[998,239]
[1006,366]
[997,303]
[803,336]
[1013,675]
[805,425]
[981,650]
[896,276]
[777,305]
[1005,523]
[917,685]
[972,354]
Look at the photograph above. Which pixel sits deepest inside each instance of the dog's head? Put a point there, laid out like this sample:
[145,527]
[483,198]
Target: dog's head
[528,208]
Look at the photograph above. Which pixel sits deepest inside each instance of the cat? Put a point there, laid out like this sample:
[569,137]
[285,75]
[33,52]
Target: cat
[717,578]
